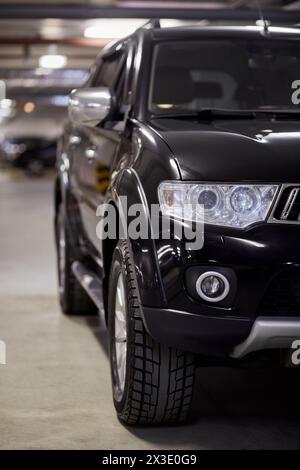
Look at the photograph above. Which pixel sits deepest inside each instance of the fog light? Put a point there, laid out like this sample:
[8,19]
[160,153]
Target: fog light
[212,286]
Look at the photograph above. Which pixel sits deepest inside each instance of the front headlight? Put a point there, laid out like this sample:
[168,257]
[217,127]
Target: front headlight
[227,205]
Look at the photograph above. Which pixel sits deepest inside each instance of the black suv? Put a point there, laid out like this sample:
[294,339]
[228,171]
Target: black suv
[204,118]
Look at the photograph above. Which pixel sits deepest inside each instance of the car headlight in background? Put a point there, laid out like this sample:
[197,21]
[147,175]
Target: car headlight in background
[227,205]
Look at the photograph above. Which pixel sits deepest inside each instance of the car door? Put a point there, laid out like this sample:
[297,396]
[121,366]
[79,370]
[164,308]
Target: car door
[99,145]
[77,144]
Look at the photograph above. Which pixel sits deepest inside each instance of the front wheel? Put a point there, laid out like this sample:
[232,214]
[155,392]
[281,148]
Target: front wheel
[152,383]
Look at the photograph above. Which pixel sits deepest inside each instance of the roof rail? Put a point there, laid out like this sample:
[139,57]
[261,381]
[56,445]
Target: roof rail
[151,24]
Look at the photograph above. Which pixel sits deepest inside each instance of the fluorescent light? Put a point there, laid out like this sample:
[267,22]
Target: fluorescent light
[52,61]
[112,28]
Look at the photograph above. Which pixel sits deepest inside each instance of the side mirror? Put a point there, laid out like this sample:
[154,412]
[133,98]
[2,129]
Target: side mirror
[90,106]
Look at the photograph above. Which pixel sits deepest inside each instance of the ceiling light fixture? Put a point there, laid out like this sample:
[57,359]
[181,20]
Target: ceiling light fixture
[112,28]
[52,60]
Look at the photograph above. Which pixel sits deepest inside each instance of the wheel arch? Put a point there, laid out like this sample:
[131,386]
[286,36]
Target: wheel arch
[107,249]
[143,250]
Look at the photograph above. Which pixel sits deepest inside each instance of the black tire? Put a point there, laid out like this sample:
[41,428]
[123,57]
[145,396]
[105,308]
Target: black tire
[73,298]
[159,380]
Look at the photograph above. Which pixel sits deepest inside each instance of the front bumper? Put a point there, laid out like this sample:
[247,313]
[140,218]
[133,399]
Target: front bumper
[211,336]
[257,257]
[231,337]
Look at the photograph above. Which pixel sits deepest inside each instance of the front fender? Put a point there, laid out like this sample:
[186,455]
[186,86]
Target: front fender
[143,250]
[139,173]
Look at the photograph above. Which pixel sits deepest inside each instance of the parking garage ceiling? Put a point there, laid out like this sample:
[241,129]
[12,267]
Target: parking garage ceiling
[27,29]
[76,30]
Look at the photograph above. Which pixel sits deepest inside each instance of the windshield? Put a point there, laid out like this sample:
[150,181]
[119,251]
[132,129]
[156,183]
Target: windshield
[240,75]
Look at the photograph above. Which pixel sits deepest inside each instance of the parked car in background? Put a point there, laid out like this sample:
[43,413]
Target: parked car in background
[34,154]
[196,116]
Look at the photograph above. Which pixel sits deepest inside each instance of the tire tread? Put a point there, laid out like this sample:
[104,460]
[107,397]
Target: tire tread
[162,378]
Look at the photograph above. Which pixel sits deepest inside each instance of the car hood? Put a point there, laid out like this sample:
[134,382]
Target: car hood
[234,150]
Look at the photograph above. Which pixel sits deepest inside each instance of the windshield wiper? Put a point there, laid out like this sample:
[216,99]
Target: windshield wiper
[280,112]
[208,114]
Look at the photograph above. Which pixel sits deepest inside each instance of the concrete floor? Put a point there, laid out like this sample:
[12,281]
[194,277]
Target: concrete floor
[55,389]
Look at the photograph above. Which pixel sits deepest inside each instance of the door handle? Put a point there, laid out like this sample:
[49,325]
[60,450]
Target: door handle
[90,154]
[75,139]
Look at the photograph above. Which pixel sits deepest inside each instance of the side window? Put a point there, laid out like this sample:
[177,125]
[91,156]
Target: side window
[128,74]
[123,84]
[93,74]
[120,84]
[112,75]
[110,70]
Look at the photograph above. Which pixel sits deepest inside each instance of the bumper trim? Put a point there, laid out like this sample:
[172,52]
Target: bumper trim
[269,333]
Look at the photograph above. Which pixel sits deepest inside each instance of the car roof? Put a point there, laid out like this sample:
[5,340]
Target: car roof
[174,33]
[224,31]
